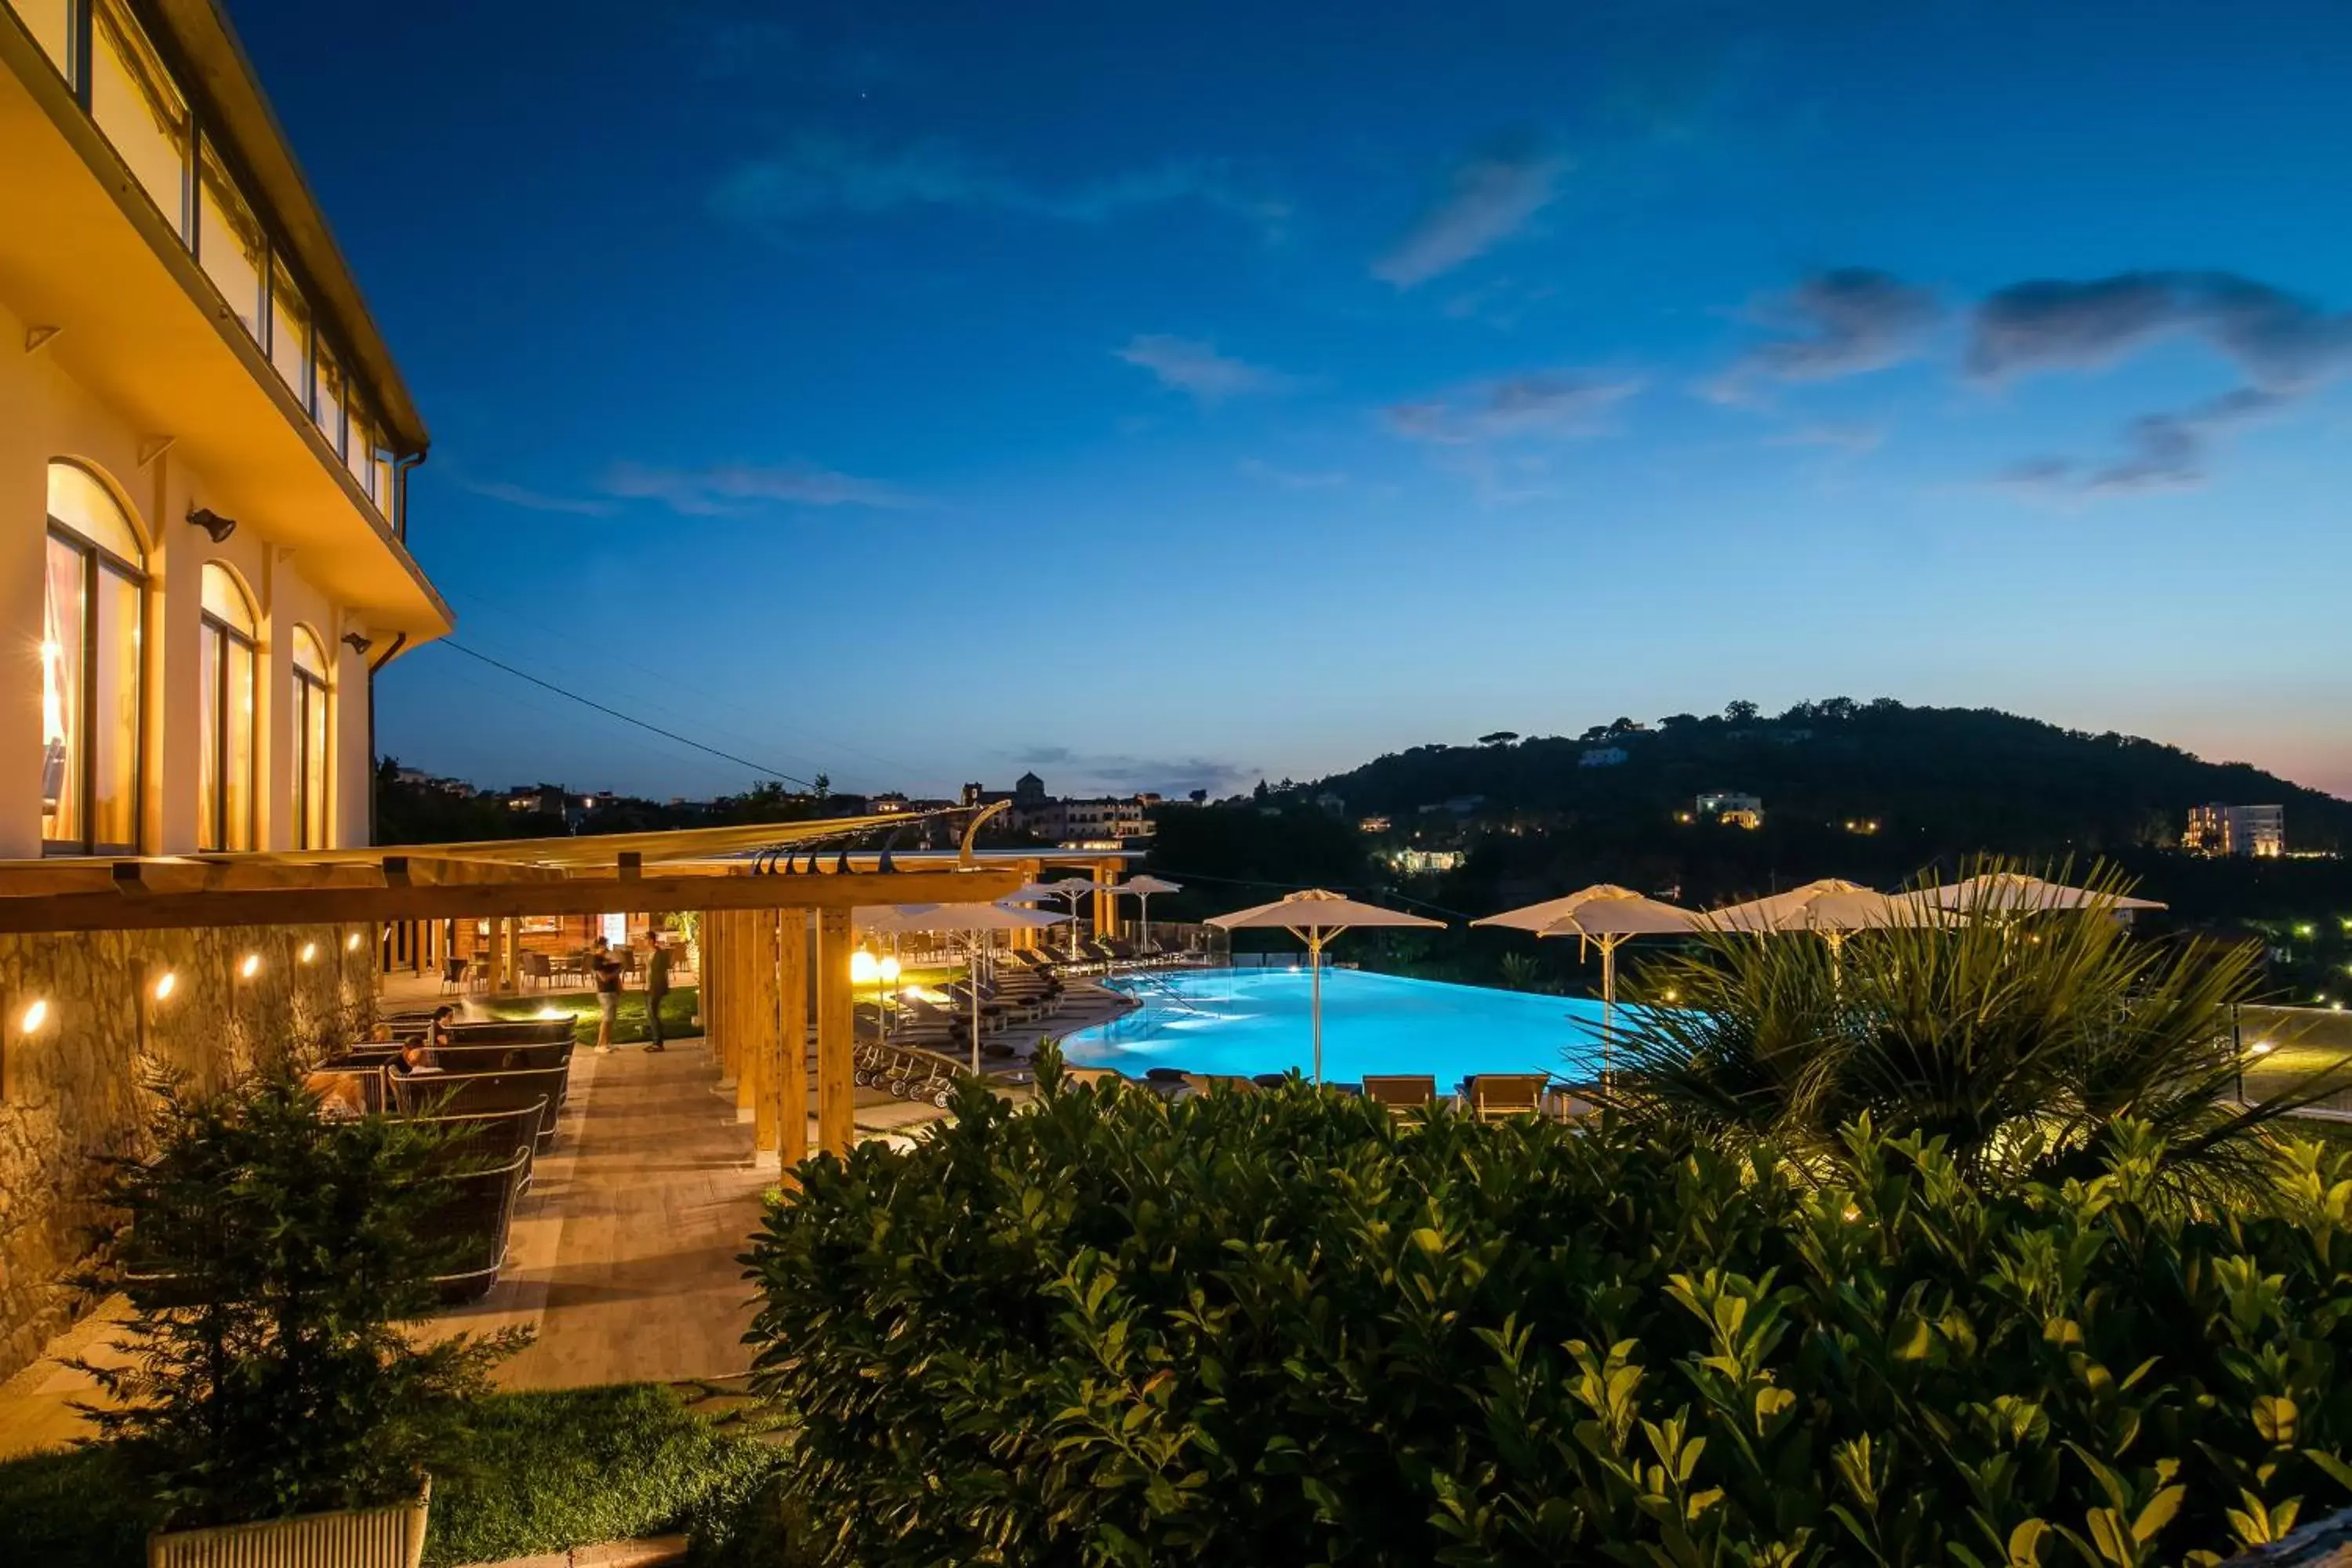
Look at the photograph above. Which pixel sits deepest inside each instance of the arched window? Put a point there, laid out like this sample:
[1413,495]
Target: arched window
[225,714]
[92,672]
[310,770]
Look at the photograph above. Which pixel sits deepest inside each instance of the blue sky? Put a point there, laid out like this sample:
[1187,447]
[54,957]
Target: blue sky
[1167,396]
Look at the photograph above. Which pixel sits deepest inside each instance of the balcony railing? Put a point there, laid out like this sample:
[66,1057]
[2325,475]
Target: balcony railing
[130,90]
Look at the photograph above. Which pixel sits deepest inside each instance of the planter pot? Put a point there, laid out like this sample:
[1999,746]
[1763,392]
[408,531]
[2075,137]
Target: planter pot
[391,1537]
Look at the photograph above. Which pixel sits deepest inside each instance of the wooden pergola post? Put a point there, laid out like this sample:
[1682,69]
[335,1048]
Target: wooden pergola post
[1032,939]
[792,1083]
[763,1042]
[718,986]
[743,1010]
[1106,901]
[836,1093]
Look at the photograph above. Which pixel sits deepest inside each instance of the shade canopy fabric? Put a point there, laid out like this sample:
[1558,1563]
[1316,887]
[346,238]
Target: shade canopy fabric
[906,919]
[1603,909]
[1145,886]
[1829,906]
[1034,892]
[2014,892]
[1316,911]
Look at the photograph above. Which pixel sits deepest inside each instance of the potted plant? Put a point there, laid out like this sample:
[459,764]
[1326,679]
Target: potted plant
[268,1394]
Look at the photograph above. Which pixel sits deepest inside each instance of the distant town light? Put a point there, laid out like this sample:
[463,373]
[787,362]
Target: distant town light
[35,1017]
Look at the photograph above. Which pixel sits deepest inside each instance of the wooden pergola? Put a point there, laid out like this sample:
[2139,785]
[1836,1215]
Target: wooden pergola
[756,915]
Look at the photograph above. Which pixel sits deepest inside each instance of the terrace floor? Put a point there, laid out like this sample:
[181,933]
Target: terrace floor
[622,1258]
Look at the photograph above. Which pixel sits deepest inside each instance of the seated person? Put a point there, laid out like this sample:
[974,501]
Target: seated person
[342,1095]
[423,1054]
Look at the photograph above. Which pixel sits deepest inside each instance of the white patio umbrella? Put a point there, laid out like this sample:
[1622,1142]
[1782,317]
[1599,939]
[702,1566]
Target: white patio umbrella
[1072,889]
[2014,892]
[1143,887]
[1314,917]
[1832,909]
[1605,915]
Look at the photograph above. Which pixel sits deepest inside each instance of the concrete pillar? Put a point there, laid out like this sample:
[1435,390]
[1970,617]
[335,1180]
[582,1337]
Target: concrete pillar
[792,1083]
[23,543]
[837,1090]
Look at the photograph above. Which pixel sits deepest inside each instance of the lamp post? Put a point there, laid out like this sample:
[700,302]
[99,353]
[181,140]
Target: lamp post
[886,974]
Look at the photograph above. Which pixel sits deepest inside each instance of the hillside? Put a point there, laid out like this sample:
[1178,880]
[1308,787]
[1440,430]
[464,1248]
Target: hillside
[1938,781]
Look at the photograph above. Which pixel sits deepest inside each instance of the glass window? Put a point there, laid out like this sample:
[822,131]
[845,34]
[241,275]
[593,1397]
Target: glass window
[330,406]
[91,677]
[51,24]
[224,714]
[359,451]
[312,771]
[382,490]
[290,333]
[228,242]
[134,102]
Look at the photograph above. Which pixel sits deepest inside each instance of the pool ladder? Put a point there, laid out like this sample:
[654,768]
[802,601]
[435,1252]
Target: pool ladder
[1161,990]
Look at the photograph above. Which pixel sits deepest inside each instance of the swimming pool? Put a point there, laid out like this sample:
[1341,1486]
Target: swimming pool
[1250,1021]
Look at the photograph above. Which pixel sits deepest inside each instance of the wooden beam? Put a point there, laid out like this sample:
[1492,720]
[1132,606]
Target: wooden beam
[163,910]
[836,1089]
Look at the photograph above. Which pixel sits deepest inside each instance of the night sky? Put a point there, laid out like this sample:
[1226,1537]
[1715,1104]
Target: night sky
[1166,395]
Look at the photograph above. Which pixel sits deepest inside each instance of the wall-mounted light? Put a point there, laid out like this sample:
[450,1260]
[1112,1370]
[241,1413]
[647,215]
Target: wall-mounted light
[310,952]
[358,644]
[351,942]
[250,967]
[35,1015]
[166,983]
[212,523]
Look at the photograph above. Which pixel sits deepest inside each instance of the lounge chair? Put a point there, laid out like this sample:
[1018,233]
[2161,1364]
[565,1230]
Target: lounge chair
[1500,1096]
[453,1093]
[1401,1092]
[1098,1077]
[473,1221]
[1209,1082]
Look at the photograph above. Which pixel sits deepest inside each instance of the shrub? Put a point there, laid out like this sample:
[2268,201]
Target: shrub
[1276,1328]
[270,1258]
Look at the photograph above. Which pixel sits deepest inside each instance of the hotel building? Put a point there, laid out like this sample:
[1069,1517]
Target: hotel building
[203,453]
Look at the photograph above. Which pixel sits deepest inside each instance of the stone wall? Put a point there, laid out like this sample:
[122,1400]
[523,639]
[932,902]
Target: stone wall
[71,1085]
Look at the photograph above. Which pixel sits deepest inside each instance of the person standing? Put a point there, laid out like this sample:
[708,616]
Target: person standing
[606,966]
[656,988]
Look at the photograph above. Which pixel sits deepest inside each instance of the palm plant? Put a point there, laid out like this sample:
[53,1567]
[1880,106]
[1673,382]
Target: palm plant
[2022,1041]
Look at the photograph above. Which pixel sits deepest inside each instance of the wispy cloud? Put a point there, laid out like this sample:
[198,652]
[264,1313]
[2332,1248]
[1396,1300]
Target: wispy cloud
[816,176]
[1846,322]
[1852,439]
[530,500]
[2286,347]
[1545,404]
[1294,478]
[1073,771]
[727,490]
[1199,369]
[1492,194]
[2161,452]
[2282,343]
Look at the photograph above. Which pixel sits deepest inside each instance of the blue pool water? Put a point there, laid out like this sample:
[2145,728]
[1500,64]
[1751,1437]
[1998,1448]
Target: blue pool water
[1250,1021]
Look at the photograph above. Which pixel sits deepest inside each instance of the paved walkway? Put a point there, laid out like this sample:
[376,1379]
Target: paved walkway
[623,1255]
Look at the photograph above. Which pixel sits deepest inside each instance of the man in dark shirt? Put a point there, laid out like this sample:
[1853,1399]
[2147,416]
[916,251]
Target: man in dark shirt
[606,971]
[656,988]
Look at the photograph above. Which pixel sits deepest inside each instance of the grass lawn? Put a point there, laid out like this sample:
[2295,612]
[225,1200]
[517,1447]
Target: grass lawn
[678,1007]
[544,1472]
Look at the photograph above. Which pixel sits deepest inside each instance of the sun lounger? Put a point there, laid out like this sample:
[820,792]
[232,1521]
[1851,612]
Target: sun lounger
[473,1221]
[1499,1095]
[455,1093]
[1401,1092]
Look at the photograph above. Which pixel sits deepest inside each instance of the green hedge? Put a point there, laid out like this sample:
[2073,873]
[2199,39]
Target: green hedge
[540,1472]
[1273,1328]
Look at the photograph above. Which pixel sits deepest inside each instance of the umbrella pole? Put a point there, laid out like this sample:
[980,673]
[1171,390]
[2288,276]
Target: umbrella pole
[973,972]
[1608,1003]
[1315,973]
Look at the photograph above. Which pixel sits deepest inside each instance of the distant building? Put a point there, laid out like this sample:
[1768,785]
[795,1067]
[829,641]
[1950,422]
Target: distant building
[1732,808]
[2259,831]
[1094,818]
[1416,862]
[1601,757]
[1372,825]
[888,803]
[1332,803]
